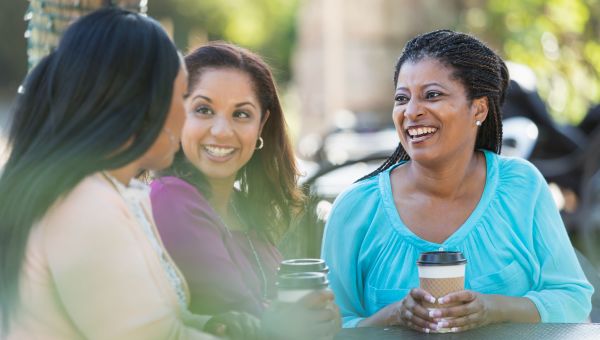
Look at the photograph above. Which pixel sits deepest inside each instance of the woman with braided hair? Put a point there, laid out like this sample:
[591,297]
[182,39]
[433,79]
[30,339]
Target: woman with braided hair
[447,188]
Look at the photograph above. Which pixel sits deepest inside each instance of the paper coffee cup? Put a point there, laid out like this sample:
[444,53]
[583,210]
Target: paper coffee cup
[441,273]
[293,287]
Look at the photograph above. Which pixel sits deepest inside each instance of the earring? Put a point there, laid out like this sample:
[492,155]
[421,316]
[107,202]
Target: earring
[478,122]
[261,143]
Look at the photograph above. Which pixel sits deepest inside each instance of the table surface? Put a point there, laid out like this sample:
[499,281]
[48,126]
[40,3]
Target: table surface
[542,331]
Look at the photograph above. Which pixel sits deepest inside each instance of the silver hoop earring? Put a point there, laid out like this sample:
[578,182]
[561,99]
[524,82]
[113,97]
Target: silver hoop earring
[261,143]
[478,122]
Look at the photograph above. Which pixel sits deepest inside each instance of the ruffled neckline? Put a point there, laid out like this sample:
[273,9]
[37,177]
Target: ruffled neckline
[491,181]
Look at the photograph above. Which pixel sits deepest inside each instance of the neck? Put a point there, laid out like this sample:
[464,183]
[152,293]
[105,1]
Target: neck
[221,191]
[448,181]
[125,174]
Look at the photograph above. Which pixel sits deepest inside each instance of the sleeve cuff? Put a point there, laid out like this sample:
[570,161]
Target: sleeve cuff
[539,305]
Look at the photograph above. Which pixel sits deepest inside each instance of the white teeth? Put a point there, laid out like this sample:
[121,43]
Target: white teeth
[218,151]
[417,132]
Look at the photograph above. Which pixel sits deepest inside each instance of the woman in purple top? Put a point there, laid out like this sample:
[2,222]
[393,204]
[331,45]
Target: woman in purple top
[230,195]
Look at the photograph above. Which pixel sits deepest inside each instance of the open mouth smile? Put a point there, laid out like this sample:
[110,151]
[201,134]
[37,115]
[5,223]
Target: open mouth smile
[420,133]
[218,151]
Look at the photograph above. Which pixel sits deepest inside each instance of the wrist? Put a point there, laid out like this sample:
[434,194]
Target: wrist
[512,309]
[383,317]
[496,308]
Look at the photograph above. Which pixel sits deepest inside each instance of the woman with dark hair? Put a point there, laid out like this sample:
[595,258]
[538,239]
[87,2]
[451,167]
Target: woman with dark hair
[231,192]
[79,253]
[446,188]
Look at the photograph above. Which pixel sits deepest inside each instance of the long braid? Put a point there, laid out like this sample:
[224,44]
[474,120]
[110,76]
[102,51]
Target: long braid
[481,70]
[398,155]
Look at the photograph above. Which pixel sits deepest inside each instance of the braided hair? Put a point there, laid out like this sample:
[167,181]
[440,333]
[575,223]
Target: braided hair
[482,72]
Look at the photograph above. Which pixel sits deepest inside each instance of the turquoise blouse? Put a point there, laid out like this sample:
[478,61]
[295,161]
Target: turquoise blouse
[514,241]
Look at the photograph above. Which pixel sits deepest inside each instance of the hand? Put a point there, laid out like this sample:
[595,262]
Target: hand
[474,310]
[234,325]
[411,313]
[315,316]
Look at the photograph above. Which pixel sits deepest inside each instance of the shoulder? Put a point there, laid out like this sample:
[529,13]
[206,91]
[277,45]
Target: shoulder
[358,193]
[178,205]
[91,212]
[172,187]
[518,173]
[92,198]
[355,207]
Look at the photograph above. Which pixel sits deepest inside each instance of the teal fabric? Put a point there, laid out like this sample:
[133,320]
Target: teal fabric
[514,241]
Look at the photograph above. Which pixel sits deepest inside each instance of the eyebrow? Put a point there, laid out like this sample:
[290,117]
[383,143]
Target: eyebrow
[210,101]
[245,103]
[203,97]
[424,86]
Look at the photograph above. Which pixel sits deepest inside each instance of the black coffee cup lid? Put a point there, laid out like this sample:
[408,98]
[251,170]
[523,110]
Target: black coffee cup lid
[309,280]
[303,265]
[441,258]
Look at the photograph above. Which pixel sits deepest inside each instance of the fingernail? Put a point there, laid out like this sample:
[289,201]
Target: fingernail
[434,313]
[431,299]
[427,330]
[454,329]
[442,300]
[442,324]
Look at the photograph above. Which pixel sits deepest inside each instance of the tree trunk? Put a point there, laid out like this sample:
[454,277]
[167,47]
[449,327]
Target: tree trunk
[49,18]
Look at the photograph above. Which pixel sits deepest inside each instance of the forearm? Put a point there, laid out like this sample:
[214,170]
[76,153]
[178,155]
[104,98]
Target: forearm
[513,309]
[381,318]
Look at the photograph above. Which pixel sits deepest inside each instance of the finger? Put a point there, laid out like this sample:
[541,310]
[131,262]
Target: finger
[220,330]
[417,309]
[323,315]
[462,296]
[317,299]
[460,310]
[409,318]
[465,322]
[464,328]
[417,328]
[420,294]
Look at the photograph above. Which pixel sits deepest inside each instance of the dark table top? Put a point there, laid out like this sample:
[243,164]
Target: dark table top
[542,331]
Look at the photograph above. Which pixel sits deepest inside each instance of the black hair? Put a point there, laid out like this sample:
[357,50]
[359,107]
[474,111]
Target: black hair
[98,102]
[482,72]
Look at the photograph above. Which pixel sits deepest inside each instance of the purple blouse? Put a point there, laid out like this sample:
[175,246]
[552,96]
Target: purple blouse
[220,267]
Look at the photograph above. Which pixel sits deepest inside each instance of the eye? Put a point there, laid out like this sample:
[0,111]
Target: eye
[241,114]
[432,94]
[401,99]
[203,110]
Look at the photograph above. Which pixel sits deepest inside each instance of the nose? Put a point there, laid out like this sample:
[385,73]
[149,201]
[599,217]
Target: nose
[412,109]
[221,127]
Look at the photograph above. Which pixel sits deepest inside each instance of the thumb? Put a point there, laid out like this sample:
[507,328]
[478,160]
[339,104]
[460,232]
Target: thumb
[220,329]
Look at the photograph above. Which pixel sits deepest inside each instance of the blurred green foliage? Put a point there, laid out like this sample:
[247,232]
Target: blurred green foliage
[558,39]
[264,26]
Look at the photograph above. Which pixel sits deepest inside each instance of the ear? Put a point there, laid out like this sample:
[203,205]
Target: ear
[263,121]
[479,107]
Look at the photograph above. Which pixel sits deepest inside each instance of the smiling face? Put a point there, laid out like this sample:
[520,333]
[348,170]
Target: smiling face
[434,118]
[224,123]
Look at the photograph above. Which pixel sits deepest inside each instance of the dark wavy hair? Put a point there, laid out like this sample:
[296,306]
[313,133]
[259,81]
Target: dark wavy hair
[269,196]
[482,72]
[97,102]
